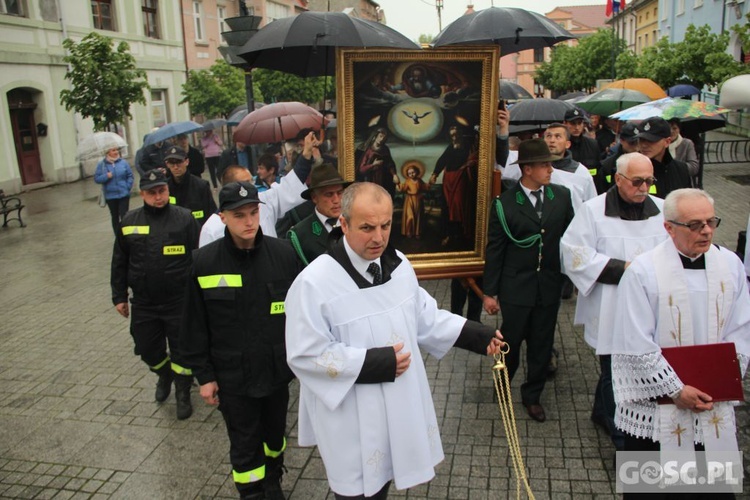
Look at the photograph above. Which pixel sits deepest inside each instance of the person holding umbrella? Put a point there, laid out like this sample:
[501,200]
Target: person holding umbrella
[116,178]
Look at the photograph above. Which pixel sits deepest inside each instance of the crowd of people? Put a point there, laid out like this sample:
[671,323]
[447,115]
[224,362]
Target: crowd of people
[292,275]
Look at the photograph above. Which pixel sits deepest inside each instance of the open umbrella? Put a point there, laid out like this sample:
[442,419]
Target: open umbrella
[538,111]
[735,92]
[305,45]
[278,121]
[513,29]
[695,116]
[608,101]
[97,144]
[240,112]
[682,90]
[171,130]
[645,85]
[578,94]
[215,123]
[511,91]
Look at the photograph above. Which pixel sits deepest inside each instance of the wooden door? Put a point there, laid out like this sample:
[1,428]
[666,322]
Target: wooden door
[27,149]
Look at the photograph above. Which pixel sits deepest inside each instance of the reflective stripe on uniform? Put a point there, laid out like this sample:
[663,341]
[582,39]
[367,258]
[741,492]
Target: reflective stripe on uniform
[592,171]
[652,189]
[274,454]
[127,230]
[181,370]
[156,367]
[220,281]
[174,250]
[250,476]
[609,179]
[277,307]
[172,200]
[198,214]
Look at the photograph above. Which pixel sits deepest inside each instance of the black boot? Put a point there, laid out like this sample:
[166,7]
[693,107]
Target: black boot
[272,483]
[164,384]
[182,385]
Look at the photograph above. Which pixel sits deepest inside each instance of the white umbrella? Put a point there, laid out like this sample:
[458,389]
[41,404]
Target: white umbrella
[97,145]
[735,93]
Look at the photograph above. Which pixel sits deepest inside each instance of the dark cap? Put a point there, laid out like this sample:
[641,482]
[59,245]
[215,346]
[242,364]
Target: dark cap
[574,114]
[534,151]
[236,194]
[152,178]
[175,153]
[628,132]
[322,176]
[653,129]
[302,134]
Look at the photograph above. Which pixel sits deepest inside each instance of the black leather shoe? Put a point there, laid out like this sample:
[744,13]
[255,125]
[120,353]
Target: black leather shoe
[536,412]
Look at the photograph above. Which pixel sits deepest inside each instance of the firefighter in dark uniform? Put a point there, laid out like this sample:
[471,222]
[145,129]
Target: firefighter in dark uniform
[187,190]
[152,257]
[233,338]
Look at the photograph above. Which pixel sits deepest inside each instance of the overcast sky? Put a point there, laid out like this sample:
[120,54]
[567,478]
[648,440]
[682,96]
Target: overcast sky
[415,17]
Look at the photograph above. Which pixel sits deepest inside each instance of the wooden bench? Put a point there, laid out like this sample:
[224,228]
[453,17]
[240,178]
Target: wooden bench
[8,205]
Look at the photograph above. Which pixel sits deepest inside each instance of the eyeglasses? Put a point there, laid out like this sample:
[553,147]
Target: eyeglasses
[697,225]
[638,181]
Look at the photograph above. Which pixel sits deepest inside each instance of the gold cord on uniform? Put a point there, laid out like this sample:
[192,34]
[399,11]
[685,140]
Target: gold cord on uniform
[502,388]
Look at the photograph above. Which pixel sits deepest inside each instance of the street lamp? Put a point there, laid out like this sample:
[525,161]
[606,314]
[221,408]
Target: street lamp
[242,29]
[439,6]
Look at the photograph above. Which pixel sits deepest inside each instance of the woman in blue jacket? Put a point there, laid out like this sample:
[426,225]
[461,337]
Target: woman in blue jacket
[116,178]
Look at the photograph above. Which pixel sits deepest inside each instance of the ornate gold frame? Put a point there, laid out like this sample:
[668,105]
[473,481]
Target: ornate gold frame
[436,264]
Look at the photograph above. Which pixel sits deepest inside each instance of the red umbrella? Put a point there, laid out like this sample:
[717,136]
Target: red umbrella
[277,122]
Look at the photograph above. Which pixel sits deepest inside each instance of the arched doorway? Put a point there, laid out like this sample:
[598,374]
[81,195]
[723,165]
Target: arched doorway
[22,106]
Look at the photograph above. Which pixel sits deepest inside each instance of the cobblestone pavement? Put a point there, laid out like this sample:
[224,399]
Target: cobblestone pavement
[78,419]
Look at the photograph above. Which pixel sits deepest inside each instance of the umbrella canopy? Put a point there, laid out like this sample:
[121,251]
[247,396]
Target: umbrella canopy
[608,101]
[682,90]
[171,130]
[735,93]
[538,111]
[648,87]
[97,144]
[511,91]
[695,116]
[277,122]
[572,95]
[215,123]
[240,112]
[511,28]
[305,45]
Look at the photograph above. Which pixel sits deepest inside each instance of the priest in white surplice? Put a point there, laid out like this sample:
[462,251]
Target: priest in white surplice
[356,319]
[606,234]
[698,290]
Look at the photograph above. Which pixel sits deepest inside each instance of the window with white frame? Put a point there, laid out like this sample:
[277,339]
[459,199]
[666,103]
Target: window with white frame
[680,7]
[698,3]
[12,7]
[276,10]
[221,13]
[159,112]
[198,24]
[664,8]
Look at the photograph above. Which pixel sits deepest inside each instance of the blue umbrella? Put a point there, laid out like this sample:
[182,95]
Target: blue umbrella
[682,89]
[171,130]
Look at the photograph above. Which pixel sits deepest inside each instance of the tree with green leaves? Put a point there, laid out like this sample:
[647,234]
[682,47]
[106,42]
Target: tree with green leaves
[215,91]
[704,58]
[105,82]
[425,38]
[277,86]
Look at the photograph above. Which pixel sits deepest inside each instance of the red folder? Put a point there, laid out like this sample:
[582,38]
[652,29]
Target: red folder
[712,368]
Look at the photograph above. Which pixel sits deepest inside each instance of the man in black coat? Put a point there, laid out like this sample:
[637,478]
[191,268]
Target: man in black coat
[309,237]
[233,338]
[583,149]
[187,190]
[197,164]
[628,144]
[522,266]
[654,135]
[239,154]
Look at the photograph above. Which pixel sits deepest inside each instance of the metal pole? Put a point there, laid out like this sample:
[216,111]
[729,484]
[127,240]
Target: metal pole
[439,6]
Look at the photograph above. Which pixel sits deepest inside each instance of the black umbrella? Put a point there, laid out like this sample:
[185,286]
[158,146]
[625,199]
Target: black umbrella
[538,111]
[305,45]
[571,95]
[511,28]
[511,91]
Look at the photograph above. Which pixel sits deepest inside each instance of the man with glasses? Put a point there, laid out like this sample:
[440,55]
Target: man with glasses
[654,136]
[686,291]
[187,190]
[606,234]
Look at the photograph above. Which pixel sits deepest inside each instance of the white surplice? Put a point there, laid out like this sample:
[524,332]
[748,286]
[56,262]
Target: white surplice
[591,240]
[639,371]
[367,434]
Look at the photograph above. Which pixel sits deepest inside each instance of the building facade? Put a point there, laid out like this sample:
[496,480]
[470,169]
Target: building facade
[32,73]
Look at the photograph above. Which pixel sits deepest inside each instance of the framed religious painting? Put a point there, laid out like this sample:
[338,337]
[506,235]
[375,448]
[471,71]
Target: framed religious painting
[421,124]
